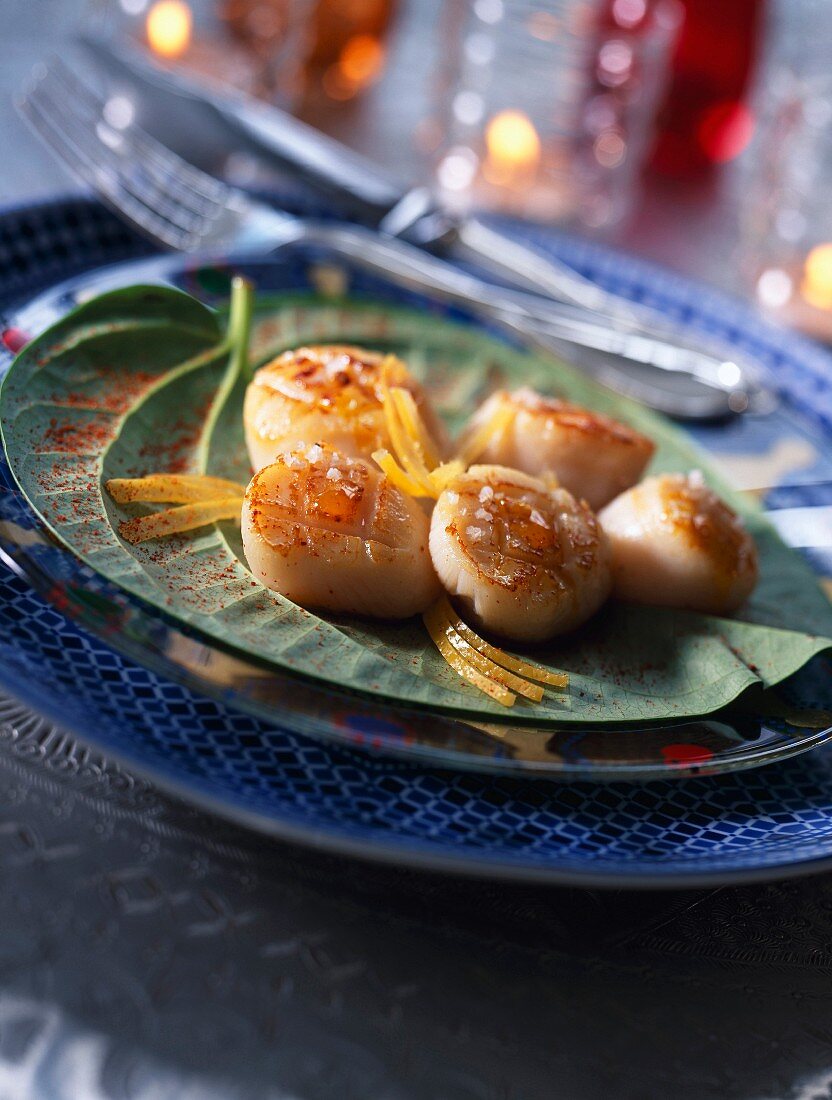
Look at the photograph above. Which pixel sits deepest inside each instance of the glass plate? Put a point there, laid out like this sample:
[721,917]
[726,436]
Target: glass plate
[669,832]
[781,441]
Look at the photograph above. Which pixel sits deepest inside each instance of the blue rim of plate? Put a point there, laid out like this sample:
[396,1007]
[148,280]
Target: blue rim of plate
[661,833]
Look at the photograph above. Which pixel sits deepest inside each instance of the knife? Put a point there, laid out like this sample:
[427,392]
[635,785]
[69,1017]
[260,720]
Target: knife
[362,191]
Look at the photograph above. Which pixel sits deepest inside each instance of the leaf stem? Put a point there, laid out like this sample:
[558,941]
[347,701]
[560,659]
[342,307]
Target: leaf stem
[236,340]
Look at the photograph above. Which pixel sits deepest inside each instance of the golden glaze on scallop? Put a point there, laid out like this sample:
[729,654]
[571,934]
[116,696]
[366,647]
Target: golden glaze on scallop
[593,456]
[525,561]
[330,531]
[327,394]
[676,543]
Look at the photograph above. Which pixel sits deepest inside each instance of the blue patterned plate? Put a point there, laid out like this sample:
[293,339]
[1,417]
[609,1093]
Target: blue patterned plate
[704,829]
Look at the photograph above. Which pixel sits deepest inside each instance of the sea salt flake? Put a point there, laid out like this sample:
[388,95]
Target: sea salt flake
[474,533]
[486,494]
[334,474]
[537,518]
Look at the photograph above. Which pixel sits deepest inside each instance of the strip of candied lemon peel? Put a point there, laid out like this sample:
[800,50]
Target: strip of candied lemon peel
[397,475]
[438,628]
[527,669]
[406,453]
[484,666]
[415,468]
[172,488]
[173,521]
[493,671]
[496,424]
[443,475]
[415,426]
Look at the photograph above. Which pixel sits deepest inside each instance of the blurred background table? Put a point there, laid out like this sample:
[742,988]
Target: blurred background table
[150,952]
[692,228]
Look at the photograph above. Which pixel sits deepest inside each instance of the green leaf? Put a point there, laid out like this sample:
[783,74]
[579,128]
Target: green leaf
[140,381]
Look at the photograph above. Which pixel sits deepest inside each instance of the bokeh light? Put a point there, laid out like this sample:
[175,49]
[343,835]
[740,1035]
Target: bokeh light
[169,27]
[360,63]
[816,287]
[725,130]
[512,142]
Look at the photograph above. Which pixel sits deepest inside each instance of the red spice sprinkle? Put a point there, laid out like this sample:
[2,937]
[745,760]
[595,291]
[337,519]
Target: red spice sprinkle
[78,438]
[173,454]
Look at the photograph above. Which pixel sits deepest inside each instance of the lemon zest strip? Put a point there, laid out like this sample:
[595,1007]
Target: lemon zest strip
[532,671]
[397,475]
[415,426]
[495,425]
[172,488]
[492,670]
[437,627]
[173,521]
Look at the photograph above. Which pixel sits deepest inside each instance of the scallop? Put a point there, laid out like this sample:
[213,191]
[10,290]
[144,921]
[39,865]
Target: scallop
[591,455]
[523,560]
[676,544]
[329,531]
[328,394]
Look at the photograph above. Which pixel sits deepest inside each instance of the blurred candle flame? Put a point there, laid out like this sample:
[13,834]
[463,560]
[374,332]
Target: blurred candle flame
[361,59]
[359,63]
[816,287]
[513,147]
[169,27]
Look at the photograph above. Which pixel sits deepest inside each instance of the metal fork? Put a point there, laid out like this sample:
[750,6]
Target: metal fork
[183,208]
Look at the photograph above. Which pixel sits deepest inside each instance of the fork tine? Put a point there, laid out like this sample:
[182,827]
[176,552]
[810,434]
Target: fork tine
[137,175]
[207,187]
[85,169]
[112,168]
[113,148]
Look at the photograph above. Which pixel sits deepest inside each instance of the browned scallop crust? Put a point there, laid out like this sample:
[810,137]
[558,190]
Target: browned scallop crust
[329,393]
[331,532]
[526,562]
[592,455]
[597,426]
[314,512]
[329,374]
[676,544]
[526,534]
[709,526]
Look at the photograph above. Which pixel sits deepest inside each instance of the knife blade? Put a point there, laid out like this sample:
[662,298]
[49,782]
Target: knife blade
[360,190]
[358,187]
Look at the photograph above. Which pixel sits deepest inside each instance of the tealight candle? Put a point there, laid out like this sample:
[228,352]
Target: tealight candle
[169,27]
[546,114]
[800,294]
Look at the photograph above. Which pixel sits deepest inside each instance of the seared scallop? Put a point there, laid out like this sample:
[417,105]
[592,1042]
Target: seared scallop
[591,455]
[523,560]
[675,543]
[329,531]
[329,394]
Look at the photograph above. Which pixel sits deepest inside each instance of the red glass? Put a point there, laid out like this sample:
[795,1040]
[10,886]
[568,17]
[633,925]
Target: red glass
[705,120]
